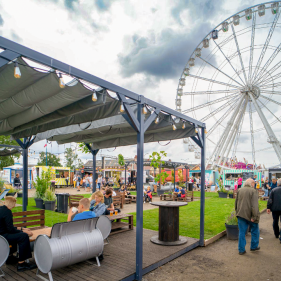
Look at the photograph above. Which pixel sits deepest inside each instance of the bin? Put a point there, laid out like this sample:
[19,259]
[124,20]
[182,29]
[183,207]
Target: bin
[62,202]
[190,186]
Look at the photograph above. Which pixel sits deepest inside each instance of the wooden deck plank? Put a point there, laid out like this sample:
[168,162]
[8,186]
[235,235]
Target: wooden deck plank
[118,263]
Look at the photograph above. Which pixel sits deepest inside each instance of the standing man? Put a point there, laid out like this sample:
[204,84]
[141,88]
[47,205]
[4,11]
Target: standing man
[247,212]
[272,185]
[265,188]
[17,182]
[274,206]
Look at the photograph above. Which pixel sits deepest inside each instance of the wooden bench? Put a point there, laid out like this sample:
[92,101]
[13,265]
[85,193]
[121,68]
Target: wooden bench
[121,223]
[30,218]
[117,200]
[188,197]
[166,197]
[73,200]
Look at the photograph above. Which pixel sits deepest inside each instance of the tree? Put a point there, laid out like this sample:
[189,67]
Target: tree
[83,148]
[121,160]
[70,158]
[156,161]
[8,160]
[52,159]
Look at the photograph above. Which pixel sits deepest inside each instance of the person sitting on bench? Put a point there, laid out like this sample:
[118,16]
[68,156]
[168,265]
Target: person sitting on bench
[83,211]
[147,194]
[181,193]
[97,203]
[16,236]
[109,202]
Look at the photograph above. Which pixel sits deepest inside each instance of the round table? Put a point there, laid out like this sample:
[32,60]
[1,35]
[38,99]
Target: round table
[168,234]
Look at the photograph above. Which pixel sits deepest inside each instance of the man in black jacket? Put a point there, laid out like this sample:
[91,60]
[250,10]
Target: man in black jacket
[17,182]
[274,206]
[15,236]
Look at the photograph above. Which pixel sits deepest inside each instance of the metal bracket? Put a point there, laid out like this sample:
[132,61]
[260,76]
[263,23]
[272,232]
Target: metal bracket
[43,278]
[93,151]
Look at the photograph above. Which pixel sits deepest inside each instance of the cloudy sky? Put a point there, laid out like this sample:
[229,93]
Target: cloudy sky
[139,45]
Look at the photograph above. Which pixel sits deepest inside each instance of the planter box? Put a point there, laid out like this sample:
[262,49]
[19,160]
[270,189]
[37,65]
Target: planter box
[50,205]
[230,195]
[20,195]
[11,194]
[232,232]
[39,203]
[222,195]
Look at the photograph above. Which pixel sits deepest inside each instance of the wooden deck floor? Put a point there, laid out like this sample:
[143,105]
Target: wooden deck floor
[118,263]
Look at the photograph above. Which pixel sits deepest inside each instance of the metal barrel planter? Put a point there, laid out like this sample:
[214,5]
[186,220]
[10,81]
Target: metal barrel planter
[70,243]
[4,253]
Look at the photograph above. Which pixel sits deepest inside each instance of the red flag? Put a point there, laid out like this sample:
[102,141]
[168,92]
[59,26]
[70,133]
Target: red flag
[45,145]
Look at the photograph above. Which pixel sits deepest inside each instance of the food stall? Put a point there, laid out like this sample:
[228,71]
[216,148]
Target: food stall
[9,173]
[59,174]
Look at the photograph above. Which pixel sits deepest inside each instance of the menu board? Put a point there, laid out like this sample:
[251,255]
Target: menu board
[246,175]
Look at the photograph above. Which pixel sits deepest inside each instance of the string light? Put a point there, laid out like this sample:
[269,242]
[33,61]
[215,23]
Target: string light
[183,125]
[122,109]
[205,131]
[157,120]
[61,82]
[94,96]
[144,110]
[196,131]
[174,127]
[17,73]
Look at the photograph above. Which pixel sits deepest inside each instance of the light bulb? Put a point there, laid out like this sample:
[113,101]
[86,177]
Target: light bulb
[17,72]
[183,125]
[196,131]
[61,82]
[122,109]
[205,131]
[94,97]
[157,120]
[174,127]
[144,110]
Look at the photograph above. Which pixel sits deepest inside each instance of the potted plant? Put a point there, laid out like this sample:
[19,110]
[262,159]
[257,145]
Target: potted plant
[50,200]
[221,190]
[12,190]
[231,224]
[41,184]
[20,193]
[230,193]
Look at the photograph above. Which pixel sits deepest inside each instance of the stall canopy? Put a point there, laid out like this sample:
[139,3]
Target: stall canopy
[35,100]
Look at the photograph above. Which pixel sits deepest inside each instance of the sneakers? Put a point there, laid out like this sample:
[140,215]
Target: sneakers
[25,266]
[242,253]
[258,248]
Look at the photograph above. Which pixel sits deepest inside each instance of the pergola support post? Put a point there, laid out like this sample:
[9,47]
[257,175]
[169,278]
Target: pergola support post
[27,142]
[94,153]
[202,201]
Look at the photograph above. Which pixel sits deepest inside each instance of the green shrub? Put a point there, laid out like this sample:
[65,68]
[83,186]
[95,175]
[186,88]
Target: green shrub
[49,195]
[232,219]
[42,183]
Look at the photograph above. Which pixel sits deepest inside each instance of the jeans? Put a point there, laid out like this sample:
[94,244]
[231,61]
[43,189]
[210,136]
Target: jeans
[98,185]
[265,193]
[255,233]
[277,231]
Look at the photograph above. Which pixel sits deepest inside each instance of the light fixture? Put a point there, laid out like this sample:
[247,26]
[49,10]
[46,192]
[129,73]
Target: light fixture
[183,125]
[122,109]
[17,73]
[196,131]
[205,131]
[94,96]
[61,82]
[144,110]
[157,120]
[174,126]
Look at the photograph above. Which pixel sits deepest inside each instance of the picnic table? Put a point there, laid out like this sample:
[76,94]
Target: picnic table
[168,233]
[47,231]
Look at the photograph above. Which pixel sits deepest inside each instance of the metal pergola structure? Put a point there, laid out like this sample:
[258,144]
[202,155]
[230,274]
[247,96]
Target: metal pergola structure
[73,107]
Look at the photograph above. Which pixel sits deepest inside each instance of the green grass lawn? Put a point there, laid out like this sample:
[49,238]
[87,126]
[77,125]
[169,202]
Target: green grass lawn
[216,210]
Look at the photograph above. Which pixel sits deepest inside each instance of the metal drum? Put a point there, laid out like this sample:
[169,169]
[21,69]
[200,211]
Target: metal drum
[4,250]
[104,225]
[54,253]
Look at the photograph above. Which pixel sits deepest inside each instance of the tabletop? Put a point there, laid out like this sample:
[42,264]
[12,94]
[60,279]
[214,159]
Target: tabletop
[47,231]
[169,204]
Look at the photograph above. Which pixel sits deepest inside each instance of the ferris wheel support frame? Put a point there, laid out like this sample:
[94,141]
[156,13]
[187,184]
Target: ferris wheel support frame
[218,147]
[235,130]
[268,129]
[252,133]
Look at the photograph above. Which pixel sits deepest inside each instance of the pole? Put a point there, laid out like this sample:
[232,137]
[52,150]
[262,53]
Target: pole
[94,171]
[25,178]
[125,175]
[185,177]
[174,176]
[202,201]
[139,234]
[46,154]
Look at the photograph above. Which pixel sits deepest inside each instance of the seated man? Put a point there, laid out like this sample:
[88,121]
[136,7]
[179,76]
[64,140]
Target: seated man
[177,189]
[181,193]
[108,201]
[16,236]
[83,212]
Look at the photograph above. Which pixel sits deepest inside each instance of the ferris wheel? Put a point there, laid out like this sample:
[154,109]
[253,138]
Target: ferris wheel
[232,82]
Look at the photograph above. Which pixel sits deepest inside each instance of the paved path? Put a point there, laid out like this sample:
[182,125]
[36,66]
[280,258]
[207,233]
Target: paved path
[220,261]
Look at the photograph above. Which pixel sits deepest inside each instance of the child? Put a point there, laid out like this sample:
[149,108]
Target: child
[148,194]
